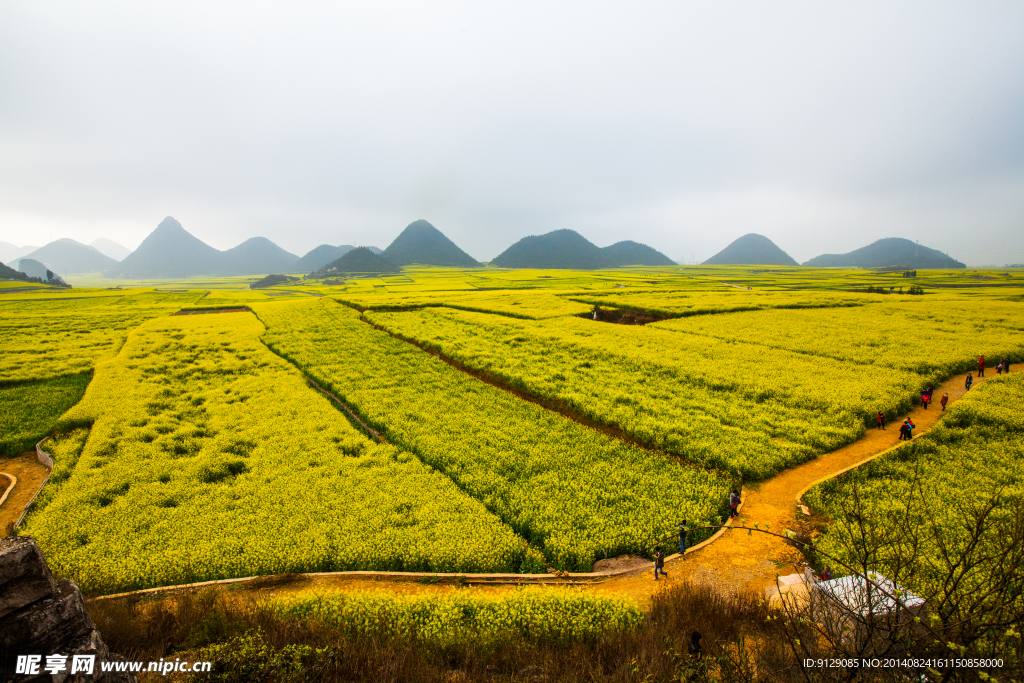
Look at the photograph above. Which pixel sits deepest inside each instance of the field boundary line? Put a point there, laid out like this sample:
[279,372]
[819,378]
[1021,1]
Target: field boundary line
[374,434]
[551,405]
[14,480]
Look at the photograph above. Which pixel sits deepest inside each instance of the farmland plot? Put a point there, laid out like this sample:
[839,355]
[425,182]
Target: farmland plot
[573,492]
[43,339]
[722,404]
[209,457]
[933,337]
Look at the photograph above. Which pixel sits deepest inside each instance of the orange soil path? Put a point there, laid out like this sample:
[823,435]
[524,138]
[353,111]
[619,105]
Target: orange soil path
[734,562]
[738,561]
[31,474]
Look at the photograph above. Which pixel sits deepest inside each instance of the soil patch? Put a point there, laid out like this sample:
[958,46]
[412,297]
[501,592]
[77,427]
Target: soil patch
[623,316]
[621,562]
[196,311]
[31,474]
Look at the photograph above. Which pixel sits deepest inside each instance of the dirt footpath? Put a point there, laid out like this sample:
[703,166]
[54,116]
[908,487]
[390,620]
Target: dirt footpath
[739,561]
[31,474]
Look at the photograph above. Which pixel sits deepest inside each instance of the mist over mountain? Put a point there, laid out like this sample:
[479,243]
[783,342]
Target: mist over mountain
[359,260]
[319,257]
[172,251]
[66,256]
[630,253]
[110,248]
[10,253]
[169,251]
[888,252]
[751,249]
[568,249]
[422,243]
[557,249]
[257,255]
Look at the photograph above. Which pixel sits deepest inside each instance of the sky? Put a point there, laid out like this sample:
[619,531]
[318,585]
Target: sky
[682,125]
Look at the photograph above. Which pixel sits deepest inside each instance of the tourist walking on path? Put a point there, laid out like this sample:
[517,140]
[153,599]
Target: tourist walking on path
[925,398]
[682,537]
[904,431]
[981,366]
[881,420]
[999,368]
[1006,365]
[734,503]
[944,400]
[659,563]
[968,382]
[910,429]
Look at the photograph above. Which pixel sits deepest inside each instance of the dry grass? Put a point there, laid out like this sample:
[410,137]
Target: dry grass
[248,641]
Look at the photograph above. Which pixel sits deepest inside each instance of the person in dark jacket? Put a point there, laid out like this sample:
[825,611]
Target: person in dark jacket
[944,400]
[659,563]
[734,503]
[969,381]
[682,536]
[694,646]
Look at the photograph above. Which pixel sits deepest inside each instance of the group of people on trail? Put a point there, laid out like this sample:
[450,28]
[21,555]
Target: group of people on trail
[926,397]
[907,430]
[1003,366]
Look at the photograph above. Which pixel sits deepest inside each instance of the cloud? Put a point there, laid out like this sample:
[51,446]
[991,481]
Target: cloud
[678,123]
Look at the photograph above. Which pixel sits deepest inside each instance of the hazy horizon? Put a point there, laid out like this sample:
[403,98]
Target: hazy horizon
[683,127]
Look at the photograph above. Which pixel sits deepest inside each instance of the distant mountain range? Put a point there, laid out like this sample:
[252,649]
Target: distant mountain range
[359,260]
[171,251]
[570,250]
[66,256]
[887,253]
[754,250]
[424,244]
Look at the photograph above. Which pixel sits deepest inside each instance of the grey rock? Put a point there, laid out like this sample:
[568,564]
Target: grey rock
[24,577]
[43,616]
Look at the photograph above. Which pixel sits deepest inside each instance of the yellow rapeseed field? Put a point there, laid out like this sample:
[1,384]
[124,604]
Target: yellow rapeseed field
[573,492]
[209,457]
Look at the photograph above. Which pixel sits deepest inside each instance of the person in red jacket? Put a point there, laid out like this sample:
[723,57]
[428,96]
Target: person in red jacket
[925,398]
[881,420]
[981,366]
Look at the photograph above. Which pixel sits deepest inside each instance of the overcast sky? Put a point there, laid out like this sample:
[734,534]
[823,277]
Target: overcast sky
[683,125]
